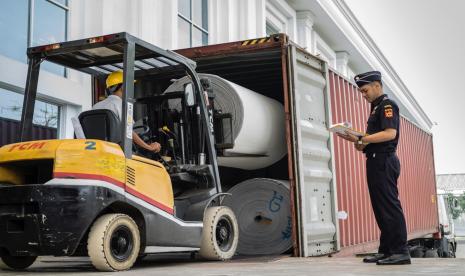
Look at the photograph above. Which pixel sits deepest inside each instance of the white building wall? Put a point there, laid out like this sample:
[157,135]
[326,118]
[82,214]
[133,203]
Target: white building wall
[66,92]
[232,20]
[324,51]
[282,17]
[305,32]
[156,21]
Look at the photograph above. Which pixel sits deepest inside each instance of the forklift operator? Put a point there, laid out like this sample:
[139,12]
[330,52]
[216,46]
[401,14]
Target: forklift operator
[114,102]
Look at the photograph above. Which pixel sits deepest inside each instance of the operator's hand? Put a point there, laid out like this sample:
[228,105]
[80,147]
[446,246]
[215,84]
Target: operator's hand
[155,147]
[349,137]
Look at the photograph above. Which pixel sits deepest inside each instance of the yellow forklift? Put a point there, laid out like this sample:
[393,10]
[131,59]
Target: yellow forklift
[101,196]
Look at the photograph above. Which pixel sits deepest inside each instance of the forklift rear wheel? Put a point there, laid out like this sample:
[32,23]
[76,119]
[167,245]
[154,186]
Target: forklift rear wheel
[114,242]
[16,262]
[220,234]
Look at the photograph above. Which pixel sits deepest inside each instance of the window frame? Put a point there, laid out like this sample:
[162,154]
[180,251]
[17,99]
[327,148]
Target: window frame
[270,26]
[30,24]
[18,90]
[30,28]
[282,17]
[193,25]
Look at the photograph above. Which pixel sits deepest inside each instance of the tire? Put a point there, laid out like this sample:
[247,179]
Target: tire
[141,258]
[114,242]
[220,234]
[16,262]
[417,252]
[445,248]
[451,251]
[431,253]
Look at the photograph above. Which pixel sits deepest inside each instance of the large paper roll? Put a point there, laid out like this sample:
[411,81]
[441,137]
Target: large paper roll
[258,124]
[262,209]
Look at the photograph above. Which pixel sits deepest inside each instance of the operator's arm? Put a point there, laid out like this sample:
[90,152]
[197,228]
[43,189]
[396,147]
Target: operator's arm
[155,147]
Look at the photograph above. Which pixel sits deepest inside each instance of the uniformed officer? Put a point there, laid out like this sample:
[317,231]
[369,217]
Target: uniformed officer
[383,169]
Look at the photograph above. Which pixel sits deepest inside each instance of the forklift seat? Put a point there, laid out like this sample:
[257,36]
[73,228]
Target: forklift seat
[101,124]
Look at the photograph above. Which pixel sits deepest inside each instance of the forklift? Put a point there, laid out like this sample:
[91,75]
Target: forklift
[101,196]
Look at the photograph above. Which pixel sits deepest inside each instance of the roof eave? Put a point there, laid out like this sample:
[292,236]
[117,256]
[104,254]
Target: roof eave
[357,35]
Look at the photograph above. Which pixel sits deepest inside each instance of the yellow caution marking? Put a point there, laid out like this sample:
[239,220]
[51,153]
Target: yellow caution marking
[256,41]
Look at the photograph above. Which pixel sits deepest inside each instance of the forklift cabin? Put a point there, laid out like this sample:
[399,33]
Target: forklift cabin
[173,199]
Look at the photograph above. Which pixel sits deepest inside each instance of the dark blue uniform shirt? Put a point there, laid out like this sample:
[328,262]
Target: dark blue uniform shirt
[384,114]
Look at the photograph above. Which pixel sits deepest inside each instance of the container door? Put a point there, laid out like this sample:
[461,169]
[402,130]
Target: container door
[315,188]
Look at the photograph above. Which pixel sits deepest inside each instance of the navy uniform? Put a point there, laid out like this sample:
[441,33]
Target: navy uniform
[383,169]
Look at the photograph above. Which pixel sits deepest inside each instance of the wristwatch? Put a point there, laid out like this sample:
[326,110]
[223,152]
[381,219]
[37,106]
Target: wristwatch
[359,141]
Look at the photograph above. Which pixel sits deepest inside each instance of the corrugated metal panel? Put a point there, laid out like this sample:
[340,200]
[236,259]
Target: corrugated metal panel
[417,186]
[10,131]
[313,153]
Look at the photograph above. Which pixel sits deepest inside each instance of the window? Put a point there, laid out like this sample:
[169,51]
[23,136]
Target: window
[49,26]
[11,106]
[270,29]
[192,23]
[280,18]
[14,28]
[25,23]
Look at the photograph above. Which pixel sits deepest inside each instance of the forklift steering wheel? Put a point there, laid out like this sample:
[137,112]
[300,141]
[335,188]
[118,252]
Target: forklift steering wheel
[145,134]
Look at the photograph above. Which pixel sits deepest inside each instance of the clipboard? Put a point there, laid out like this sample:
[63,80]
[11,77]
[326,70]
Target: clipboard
[342,128]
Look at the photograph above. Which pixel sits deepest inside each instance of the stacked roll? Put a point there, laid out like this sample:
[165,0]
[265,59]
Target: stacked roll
[262,209]
[258,123]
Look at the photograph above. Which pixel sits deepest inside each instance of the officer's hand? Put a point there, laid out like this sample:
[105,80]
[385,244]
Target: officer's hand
[155,147]
[349,137]
[359,147]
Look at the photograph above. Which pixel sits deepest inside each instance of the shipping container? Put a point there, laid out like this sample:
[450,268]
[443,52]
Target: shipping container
[277,68]
[10,132]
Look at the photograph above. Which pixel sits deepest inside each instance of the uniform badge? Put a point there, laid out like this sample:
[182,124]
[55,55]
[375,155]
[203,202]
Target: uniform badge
[388,112]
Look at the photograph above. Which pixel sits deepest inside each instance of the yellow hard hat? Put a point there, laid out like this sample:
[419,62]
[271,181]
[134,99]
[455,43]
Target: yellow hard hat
[114,78]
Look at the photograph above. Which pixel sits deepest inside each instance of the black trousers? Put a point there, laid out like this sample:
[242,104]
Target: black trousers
[383,170]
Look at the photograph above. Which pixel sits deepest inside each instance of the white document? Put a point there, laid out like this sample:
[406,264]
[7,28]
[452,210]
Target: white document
[344,128]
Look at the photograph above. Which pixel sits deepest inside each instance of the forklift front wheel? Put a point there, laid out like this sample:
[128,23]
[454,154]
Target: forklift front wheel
[114,242]
[16,262]
[220,234]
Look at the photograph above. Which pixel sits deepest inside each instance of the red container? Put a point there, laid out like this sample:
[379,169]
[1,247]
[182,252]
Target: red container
[417,182]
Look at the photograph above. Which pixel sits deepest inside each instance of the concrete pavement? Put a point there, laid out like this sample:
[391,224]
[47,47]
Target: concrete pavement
[182,265]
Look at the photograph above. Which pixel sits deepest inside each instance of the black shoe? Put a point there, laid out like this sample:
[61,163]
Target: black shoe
[374,258]
[395,259]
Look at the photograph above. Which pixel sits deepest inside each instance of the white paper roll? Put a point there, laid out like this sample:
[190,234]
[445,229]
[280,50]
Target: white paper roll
[258,124]
[262,209]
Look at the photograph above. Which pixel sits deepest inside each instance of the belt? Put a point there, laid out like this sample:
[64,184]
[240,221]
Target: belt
[374,154]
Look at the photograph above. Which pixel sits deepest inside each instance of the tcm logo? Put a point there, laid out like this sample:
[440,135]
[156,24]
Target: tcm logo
[28,146]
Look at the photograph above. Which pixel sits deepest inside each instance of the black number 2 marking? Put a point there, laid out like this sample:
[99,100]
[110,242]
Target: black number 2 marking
[90,145]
